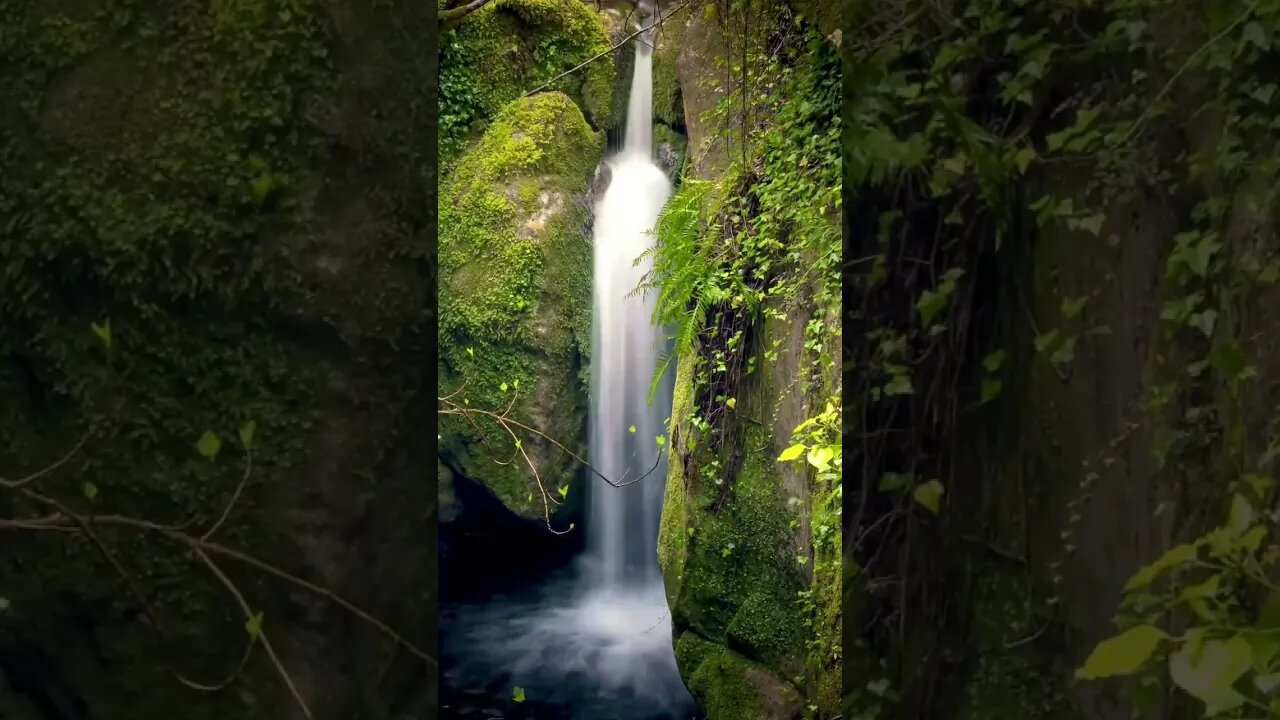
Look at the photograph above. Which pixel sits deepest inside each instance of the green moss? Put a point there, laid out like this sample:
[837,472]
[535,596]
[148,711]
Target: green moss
[673,534]
[668,107]
[511,47]
[515,279]
[726,685]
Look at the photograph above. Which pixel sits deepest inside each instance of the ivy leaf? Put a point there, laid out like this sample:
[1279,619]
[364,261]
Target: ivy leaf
[731,402]
[209,445]
[1123,654]
[503,387]
[90,491]
[1264,93]
[518,696]
[246,434]
[661,441]
[564,490]
[253,626]
[1204,321]
[791,453]
[1254,33]
[929,495]
[993,361]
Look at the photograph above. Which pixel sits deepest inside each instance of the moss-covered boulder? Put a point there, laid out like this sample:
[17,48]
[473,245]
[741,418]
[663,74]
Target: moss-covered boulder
[510,47]
[515,298]
[238,188]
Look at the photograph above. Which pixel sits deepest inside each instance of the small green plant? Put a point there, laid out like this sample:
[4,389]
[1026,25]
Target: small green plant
[1205,615]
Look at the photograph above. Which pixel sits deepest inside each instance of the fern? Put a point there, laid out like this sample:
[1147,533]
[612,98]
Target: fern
[683,268]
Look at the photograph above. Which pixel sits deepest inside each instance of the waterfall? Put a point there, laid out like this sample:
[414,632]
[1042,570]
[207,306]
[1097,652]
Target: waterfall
[623,521]
[598,643]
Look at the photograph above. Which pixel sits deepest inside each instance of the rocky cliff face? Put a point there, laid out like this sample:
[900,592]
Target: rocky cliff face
[238,191]
[736,519]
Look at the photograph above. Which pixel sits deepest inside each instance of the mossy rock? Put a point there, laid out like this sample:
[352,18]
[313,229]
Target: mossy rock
[728,686]
[515,295]
[511,47]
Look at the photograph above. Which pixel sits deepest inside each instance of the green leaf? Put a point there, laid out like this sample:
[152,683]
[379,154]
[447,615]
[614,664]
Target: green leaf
[631,429]
[4,604]
[1176,555]
[731,402]
[791,453]
[246,434]
[1123,654]
[929,495]
[103,332]
[90,491]
[1241,516]
[899,385]
[1093,224]
[1044,341]
[253,626]
[661,441]
[820,457]
[209,445]
[1254,33]
[993,361]
[930,304]
[518,696]
[1024,157]
[1072,307]
[503,387]
[564,490]
[892,481]
[1210,673]
[1266,683]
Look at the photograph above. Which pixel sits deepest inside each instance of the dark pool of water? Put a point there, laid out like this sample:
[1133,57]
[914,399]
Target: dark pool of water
[578,653]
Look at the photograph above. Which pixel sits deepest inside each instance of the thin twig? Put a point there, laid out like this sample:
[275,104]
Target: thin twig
[248,615]
[244,479]
[14,484]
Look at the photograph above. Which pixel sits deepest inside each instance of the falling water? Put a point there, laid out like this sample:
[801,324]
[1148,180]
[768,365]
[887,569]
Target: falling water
[624,426]
[597,643]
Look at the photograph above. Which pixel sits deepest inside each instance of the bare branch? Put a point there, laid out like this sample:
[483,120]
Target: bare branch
[14,484]
[248,615]
[450,18]
[195,543]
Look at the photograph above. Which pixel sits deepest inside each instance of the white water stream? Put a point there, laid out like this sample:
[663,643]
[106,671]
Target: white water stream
[600,640]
